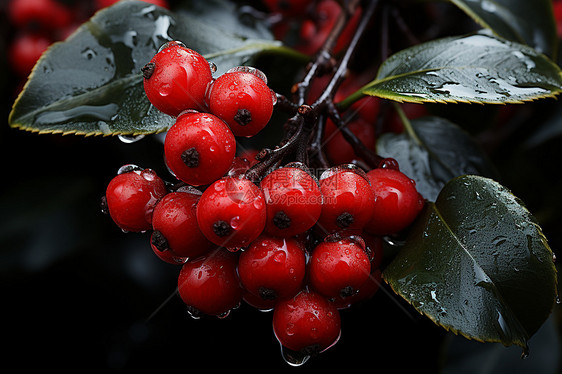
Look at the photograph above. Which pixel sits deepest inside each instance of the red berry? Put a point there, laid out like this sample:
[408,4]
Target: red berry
[25,51]
[243,100]
[339,268]
[293,201]
[199,148]
[272,268]
[348,200]
[338,150]
[397,201]
[288,7]
[131,196]
[47,14]
[209,284]
[231,212]
[315,31]
[176,79]
[174,222]
[306,323]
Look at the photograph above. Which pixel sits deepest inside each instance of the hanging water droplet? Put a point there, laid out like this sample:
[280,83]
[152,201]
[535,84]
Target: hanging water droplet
[128,139]
[293,358]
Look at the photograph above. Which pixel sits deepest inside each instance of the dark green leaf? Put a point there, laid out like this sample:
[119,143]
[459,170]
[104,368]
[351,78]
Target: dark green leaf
[91,84]
[433,152]
[523,21]
[477,68]
[476,263]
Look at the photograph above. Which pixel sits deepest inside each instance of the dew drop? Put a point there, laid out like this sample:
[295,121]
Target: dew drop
[248,69]
[88,53]
[171,44]
[213,67]
[127,168]
[293,358]
[128,139]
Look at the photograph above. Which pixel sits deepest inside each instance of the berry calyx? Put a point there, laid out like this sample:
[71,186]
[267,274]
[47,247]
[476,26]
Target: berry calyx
[339,268]
[307,323]
[293,201]
[243,100]
[130,198]
[199,148]
[272,268]
[176,79]
[231,212]
[397,201]
[175,226]
[209,284]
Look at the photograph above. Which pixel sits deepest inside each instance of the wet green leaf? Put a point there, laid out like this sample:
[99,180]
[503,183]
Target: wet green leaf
[477,68]
[434,151]
[91,84]
[522,21]
[477,264]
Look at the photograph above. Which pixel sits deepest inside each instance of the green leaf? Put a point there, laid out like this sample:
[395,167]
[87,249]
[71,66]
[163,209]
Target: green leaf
[433,151]
[522,21]
[477,68]
[477,264]
[91,83]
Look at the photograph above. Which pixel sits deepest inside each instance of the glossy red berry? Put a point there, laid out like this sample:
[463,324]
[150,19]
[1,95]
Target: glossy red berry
[209,284]
[131,196]
[288,7]
[348,200]
[397,201]
[337,148]
[306,323]
[243,100]
[315,30]
[339,268]
[293,201]
[273,268]
[46,14]
[199,148]
[175,228]
[176,79]
[231,212]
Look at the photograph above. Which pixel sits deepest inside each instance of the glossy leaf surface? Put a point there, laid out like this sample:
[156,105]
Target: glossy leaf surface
[478,68]
[91,83]
[476,263]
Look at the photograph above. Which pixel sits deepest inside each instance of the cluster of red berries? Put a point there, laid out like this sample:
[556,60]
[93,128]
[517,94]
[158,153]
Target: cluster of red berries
[300,245]
[36,24]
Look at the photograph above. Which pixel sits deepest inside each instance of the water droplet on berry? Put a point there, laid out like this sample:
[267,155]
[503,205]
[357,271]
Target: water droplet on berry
[273,97]
[165,89]
[248,69]
[213,67]
[343,168]
[235,222]
[127,168]
[148,174]
[171,44]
